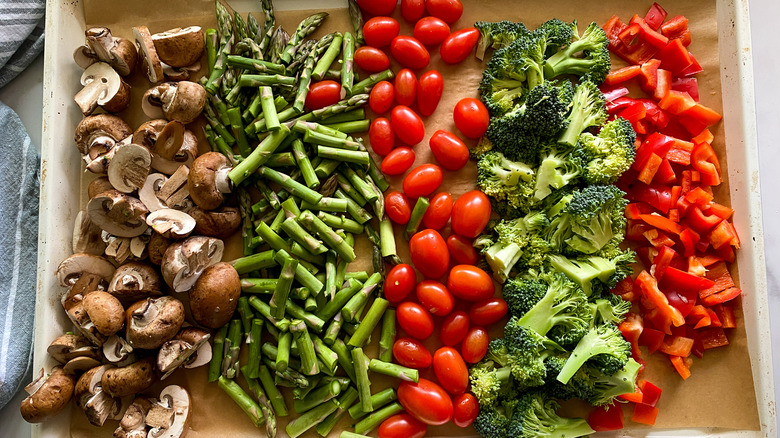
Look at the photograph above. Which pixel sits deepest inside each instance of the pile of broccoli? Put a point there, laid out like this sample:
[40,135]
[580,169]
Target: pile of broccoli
[549,160]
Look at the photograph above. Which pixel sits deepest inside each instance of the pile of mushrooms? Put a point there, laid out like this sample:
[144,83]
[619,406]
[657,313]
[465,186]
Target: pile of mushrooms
[150,232]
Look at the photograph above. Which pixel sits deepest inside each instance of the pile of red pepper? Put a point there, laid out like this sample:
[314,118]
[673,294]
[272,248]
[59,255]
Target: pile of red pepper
[685,295]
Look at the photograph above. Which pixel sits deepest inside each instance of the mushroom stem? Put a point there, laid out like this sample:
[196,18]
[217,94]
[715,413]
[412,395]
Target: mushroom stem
[101,42]
[87,98]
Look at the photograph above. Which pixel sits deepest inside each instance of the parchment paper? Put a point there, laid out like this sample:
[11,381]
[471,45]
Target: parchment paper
[720,391]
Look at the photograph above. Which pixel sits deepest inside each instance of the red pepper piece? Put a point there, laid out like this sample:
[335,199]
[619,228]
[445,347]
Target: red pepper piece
[665,173]
[719,210]
[613,28]
[622,75]
[698,317]
[683,367]
[689,85]
[650,394]
[676,102]
[706,162]
[680,152]
[695,68]
[652,339]
[725,315]
[722,296]
[648,34]
[644,414]
[713,338]
[682,280]
[723,234]
[631,328]
[700,222]
[662,261]
[655,16]
[634,209]
[721,278]
[663,83]
[689,238]
[660,311]
[704,115]
[648,79]
[675,27]
[662,223]
[606,418]
[675,57]
[677,346]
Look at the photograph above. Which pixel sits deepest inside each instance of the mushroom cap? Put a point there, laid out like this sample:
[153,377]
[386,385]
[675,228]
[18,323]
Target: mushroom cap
[153,321]
[78,365]
[100,131]
[151,62]
[131,379]
[50,398]
[129,167]
[86,236]
[146,134]
[179,47]
[220,223]
[69,346]
[172,224]
[73,267]
[89,384]
[186,155]
[157,247]
[205,181]
[120,101]
[215,295]
[184,261]
[187,102]
[118,214]
[105,311]
[119,52]
[98,186]
[133,279]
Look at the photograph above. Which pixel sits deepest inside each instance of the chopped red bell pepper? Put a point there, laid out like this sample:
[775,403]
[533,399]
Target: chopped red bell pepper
[682,300]
[663,83]
[675,27]
[680,152]
[657,238]
[650,168]
[723,234]
[722,296]
[675,57]
[635,231]
[662,223]
[677,279]
[652,339]
[706,162]
[613,28]
[626,290]
[658,196]
[622,75]
[699,197]
[644,414]
[725,253]
[677,346]
[704,115]
[689,85]
[606,418]
[725,315]
[719,274]
[655,16]
[648,78]
[715,320]
[695,267]
[689,239]
[651,394]
[676,102]
[665,173]
[660,311]
[719,210]
[634,209]
[662,261]
[634,397]
[682,365]
[695,68]
[631,328]
[700,222]
[713,338]
[648,34]
[698,317]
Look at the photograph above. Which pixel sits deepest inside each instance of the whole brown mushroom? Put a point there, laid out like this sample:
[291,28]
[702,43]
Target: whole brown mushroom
[48,396]
[208,181]
[105,311]
[185,261]
[215,295]
[179,47]
[151,322]
[220,223]
[131,379]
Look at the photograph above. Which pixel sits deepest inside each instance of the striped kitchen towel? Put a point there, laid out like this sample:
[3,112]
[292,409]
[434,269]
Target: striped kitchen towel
[21,41]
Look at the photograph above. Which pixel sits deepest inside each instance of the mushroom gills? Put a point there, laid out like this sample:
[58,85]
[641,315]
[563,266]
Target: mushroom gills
[129,167]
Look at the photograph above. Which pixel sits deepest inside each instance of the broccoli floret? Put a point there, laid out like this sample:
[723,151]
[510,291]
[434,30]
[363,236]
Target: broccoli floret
[535,417]
[604,346]
[498,35]
[504,179]
[585,270]
[527,351]
[591,219]
[586,55]
[557,34]
[500,95]
[563,307]
[489,382]
[521,295]
[587,109]
[493,420]
[611,309]
[610,153]
[557,170]
[523,59]
[519,241]
[484,145]
[590,384]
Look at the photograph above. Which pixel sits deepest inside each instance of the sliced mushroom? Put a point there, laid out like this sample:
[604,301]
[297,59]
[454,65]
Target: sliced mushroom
[175,191]
[78,365]
[84,273]
[153,321]
[208,181]
[131,379]
[135,281]
[190,348]
[80,318]
[97,135]
[48,395]
[180,101]
[116,349]
[214,297]
[220,223]
[105,311]
[151,62]
[185,157]
[176,74]
[86,236]
[70,346]
[118,248]
[173,224]
[184,261]
[148,192]
[120,53]
[95,402]
[157,247]
[129,167]
[179,47]
[118,214]
[133,423]
[138,245]
[170,417]
[102,87]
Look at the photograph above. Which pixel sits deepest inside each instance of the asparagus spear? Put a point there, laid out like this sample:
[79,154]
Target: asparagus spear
[283,351]
[263,38]
[265,404]
[232,350]
[255,336]
[276,46]
[305,347]
[305,28]
[300,425]
[420,207]
[387,338]
[321,394]
[378,400]
[264,309]
[254,262]
[369,322]
[289,184]
[307,171]
[276,398]
[242,399]
[326,233]
[361,378]
[356,17]
[346,399]
[327,59]
[351,309]
[217,353]
[368,83]
[374,419]
[348,63]
[245,312]
[394,370]
[258,156]
[279,298]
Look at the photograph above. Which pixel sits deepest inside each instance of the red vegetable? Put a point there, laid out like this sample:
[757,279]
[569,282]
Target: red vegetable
[644,414]
[459,45]
[438,213]
[402,426]
[449,150]
[381,98]
[470,283]
[414,320]
[431,31]
[408,126]
[471,117]
[470,214]
[409,52]
[429,254]
[412,10]
[380,31]
[451,370]
[461,249]
[377,7]
[475,345]
[398,208]
[487,312]
[412,353]
[448,10]
[454,328]
[381,136]
[371,59]
[465,410]
[429,91]
[405,87]
[426,401]
[322,94]
[606,418]
[423,180]
[398,161]
[399,282]
[435,297]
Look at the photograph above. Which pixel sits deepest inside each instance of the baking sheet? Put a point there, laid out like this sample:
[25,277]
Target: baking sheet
[716,395]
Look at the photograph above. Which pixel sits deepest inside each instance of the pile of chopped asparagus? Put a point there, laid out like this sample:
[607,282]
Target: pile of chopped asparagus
[301,316]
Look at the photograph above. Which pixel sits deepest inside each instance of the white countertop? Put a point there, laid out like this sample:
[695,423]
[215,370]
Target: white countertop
[25,95]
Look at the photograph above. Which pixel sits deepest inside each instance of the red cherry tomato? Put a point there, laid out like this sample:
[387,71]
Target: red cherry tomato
[454,328]
[470,214]
[398,161]
[450,370]
[405,87]
[431,31]
[398,208]
[412,353]
[470,283]
[409,52]
[402,426]
[471,117]
[429,92]
[465,409]
[459,45]
[449,150]
[408,125]
[426,401]
[423,180]
[379,31]
[414,320]
[429,253]
[380,100]
[488,311]
[322,94]
[435,297]
[448,10]
[475,345]
[371,59]
[399,282]
[438,213]
[412,10]
[461,249]
[381,136]
[377,7]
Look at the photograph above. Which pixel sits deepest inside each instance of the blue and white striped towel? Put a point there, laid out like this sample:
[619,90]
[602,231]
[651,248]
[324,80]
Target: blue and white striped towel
[21,41]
